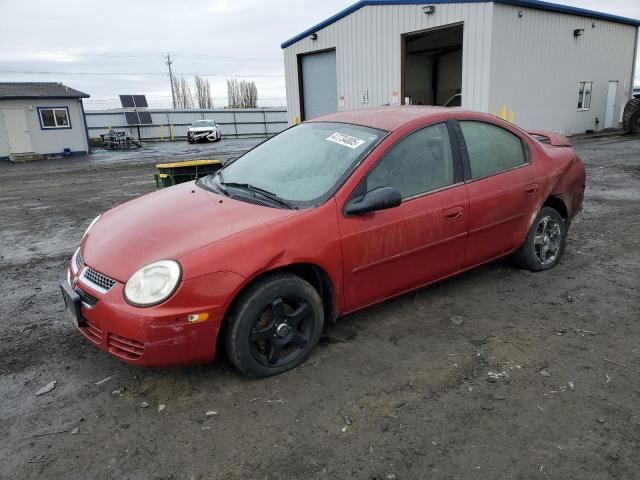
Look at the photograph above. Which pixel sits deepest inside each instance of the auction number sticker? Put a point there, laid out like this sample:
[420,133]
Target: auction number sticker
[346,140]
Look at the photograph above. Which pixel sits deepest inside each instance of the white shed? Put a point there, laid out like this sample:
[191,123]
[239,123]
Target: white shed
[41,119]
[538,64]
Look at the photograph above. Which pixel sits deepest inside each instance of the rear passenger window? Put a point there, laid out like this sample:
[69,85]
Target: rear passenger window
[420,162]
[491,149]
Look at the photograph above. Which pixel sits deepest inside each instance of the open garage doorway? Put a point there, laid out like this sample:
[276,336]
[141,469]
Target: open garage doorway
[432,66]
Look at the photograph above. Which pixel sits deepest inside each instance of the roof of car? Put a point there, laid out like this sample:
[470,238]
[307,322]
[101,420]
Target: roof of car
[384,118]
[38,90]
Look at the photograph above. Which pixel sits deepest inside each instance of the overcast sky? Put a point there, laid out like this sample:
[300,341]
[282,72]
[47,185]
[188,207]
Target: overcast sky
[106,48]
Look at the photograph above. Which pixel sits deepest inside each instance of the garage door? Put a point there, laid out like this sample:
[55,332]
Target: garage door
[319,84]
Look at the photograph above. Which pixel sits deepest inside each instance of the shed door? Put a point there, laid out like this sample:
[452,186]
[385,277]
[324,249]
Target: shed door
[319,84]
[609,121]
[15,121]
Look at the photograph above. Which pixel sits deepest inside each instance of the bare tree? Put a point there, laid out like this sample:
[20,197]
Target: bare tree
[203,93]
[184,99]
[242,94]
[233,93]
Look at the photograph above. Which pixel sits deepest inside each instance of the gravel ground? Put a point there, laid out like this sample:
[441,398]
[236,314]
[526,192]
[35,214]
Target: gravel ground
[497,373]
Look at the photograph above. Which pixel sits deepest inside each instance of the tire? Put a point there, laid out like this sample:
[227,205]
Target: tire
[631,116]
[545,242]
[274,325]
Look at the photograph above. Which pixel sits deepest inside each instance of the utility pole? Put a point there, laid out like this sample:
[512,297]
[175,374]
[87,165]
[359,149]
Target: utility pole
[173,93]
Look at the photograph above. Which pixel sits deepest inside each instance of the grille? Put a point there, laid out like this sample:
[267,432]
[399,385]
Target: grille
[87,299]
[125,347]
[93,332]
[99,279]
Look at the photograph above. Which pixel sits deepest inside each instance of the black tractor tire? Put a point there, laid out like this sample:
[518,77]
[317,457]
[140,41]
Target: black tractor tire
[631,116]
[529,254]
[280,312]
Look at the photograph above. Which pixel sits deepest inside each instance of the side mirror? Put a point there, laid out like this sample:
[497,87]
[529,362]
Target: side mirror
[379,199]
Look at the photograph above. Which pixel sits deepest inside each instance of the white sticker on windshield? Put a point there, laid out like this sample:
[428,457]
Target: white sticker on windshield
[346,140]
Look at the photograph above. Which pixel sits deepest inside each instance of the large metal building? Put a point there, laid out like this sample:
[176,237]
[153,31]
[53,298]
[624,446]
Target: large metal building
[538,64]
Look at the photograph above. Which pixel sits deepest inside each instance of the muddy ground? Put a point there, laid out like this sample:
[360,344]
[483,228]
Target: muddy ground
[397,391]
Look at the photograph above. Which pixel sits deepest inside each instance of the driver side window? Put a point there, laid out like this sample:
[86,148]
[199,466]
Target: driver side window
[419,163]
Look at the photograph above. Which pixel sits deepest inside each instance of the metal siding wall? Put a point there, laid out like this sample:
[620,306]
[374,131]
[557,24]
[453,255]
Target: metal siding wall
[367,44]
[233,122]
[538,63]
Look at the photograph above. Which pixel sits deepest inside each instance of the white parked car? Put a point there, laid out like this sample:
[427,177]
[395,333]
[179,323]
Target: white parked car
[204,130]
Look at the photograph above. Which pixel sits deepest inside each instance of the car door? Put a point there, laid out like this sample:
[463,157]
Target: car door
[391,251]
[505,188]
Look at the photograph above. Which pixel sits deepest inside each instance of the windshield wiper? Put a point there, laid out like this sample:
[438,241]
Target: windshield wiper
[265,193]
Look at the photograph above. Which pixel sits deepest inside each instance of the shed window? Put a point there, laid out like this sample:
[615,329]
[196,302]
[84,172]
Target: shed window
[54,117]
[584,95]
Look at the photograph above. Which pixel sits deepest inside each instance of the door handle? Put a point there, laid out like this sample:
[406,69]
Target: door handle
[531,189]
[453,213]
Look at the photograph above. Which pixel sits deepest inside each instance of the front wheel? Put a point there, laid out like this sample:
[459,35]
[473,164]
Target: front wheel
[545,243]
[274,325]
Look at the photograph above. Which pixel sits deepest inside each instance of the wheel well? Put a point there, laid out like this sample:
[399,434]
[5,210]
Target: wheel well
[311,273]
[558,205]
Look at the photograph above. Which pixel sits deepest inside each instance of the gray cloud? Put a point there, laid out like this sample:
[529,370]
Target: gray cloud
[66,41]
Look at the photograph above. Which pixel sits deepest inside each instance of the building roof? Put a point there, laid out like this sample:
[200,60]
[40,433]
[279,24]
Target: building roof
[10,90]
[387,118]
[535,4]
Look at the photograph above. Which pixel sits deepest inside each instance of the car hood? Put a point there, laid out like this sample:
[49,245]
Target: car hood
[167,224]
[201,129]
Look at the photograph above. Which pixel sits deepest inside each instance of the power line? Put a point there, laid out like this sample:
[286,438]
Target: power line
[32,72]
[125,54]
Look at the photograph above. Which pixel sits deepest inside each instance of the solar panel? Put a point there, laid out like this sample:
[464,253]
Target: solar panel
[140,101]
[127,101]
[145,118]
[132,118]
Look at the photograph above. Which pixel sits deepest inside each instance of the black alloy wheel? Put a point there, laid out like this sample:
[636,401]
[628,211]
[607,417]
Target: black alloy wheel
[281,332]
[274,325]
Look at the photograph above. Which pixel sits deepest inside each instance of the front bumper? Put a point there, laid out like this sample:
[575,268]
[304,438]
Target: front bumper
[157,336]
[210,136]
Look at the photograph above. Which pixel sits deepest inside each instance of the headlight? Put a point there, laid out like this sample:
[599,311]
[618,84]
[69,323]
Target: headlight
[74,262]
[93,222]
[153,283]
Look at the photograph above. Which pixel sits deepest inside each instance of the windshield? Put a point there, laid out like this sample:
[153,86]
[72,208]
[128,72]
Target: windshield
[304,164]
[203,123]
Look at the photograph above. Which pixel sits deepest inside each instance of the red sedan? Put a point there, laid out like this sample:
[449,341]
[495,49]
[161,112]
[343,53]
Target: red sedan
[326,218]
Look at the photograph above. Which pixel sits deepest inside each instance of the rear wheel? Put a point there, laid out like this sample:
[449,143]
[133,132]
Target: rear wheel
[274,326]
[545,243]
